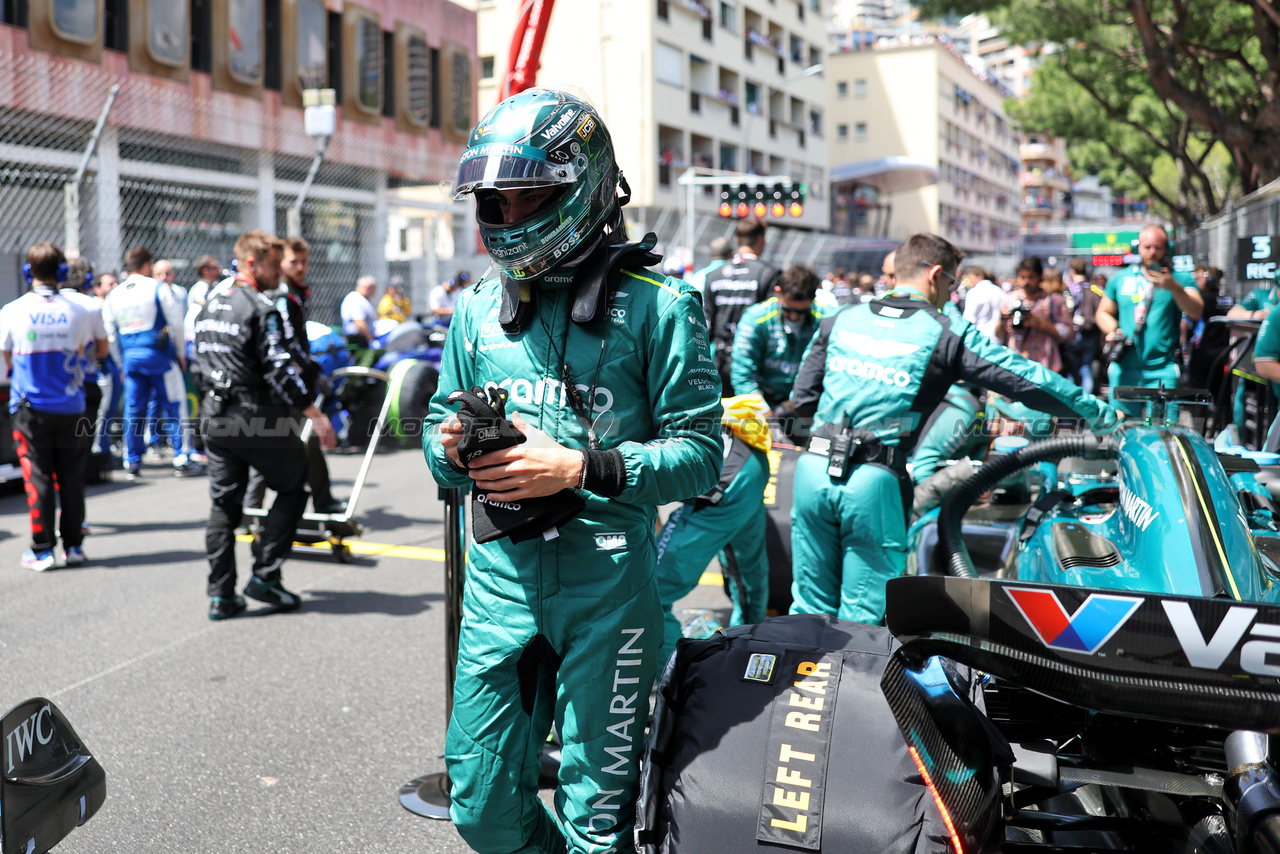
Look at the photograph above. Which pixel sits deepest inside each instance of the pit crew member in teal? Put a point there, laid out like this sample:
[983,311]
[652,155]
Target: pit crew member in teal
[731,516]
[1146,302]
[772,336]
[609,376]
[1266,361]
[871,376]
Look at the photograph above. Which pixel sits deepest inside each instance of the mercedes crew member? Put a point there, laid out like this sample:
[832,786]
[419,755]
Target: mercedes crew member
[604,368]
[873,373]
[1141,313]
[143,319]
[732,288]
[253,391]
[43,335]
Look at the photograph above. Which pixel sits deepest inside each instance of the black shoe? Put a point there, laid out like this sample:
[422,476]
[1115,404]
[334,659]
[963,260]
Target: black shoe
[333,507]
[132,473]
[188,469]
[222,608]
[272,594]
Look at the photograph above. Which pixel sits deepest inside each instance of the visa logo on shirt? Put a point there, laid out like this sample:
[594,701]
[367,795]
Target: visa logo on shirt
[47,318]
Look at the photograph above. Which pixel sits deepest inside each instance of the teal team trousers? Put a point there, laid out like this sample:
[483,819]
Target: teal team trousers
[691,538]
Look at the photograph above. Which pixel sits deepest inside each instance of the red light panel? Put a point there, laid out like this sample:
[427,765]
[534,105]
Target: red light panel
[760,209]
[743,210]
[778,209]
[726,209]
[797,209]
[937,799]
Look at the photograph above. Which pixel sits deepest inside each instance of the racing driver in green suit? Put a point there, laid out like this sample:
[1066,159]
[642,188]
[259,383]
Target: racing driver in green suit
[609,378]
[872,373]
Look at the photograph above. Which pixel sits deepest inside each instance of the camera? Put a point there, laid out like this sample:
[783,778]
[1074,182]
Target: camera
[1018,318]
[1114,350]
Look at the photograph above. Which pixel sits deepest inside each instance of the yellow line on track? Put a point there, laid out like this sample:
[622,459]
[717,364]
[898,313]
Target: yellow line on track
[360,547]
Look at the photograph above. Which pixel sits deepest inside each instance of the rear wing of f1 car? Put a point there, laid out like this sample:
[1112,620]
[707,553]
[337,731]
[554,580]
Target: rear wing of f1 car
[1195,661]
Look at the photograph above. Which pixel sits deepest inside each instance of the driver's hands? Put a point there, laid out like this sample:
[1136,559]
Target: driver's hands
[450,436]
[537,467]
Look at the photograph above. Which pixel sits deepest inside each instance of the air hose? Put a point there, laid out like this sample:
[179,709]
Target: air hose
[951,517]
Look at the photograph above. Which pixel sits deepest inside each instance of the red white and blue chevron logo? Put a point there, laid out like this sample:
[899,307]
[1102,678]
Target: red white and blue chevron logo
[1092,625]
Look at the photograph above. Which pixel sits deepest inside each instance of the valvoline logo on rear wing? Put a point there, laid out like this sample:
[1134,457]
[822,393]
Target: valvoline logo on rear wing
[1204,661]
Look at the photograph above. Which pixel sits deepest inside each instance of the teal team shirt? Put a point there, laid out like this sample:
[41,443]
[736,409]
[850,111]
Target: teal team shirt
[1128,288]
[1261,298]
[1266,348]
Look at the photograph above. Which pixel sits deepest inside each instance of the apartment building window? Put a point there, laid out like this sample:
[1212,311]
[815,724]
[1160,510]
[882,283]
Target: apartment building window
[860,88]
[860,132]
[14,13]
[728,16]
[800,9]
[486,68]
[668,63]
[753,98]
[115,25]
[664,10]
[817,182]
[728,157]
[797,49]
[77,20]
[842,89]
[815,5]
[842,132]
[815,57]
[815,122]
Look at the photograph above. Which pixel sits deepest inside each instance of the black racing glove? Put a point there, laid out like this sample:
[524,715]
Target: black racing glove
[485,428]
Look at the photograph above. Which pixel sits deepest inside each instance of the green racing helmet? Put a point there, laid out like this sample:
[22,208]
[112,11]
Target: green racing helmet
[540,138]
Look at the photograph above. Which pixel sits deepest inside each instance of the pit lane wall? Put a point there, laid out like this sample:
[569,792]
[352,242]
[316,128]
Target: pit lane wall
[205,139]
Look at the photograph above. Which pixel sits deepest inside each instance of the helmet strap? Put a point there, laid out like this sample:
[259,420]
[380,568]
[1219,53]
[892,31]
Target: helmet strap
[600,268]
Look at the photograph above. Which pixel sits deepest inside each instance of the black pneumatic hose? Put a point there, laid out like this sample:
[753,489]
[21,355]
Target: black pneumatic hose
[951,517]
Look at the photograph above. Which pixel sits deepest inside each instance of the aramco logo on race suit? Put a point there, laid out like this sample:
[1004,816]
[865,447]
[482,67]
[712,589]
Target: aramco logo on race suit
[534,392]
[874,349]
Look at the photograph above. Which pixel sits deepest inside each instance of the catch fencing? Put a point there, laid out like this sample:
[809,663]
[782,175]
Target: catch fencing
[1216,241]
[185,176]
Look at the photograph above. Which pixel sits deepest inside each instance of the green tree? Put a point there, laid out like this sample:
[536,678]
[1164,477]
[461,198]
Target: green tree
[1185,74]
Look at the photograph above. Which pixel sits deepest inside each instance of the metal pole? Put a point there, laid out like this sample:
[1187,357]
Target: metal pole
[428,796]
[294,223]
[688,215]
[71,190]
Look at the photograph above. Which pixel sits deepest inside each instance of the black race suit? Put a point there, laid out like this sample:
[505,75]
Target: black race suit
[730,290]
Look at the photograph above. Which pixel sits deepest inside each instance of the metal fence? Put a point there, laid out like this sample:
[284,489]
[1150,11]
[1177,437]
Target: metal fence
[1215,242]
[186,176]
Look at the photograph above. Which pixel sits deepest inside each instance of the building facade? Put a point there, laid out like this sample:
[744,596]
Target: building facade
[1047,200]
[722,84]
[923,103]
[202,133]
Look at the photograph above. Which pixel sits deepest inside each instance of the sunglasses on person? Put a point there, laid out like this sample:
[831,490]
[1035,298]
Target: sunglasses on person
[794,312]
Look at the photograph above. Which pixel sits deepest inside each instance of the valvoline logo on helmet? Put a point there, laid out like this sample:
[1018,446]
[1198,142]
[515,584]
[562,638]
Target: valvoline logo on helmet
[1085,631]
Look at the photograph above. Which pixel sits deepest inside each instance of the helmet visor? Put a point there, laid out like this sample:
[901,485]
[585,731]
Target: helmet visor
[507,166]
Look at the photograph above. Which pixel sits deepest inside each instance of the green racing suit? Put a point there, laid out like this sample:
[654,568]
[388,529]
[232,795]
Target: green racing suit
[767,350]
[567,630]
[886,365]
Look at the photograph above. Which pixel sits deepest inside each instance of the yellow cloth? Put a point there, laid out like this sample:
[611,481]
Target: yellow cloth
[393,306]
[746,415]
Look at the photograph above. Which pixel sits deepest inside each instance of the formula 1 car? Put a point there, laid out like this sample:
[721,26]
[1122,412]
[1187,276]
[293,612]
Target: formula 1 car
[50,783]
[1131,646]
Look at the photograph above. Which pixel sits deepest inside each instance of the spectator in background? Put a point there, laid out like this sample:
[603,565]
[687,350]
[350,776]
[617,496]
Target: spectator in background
[43,335]
[1145,303]
[358,313]
[741,282]
[1084,351]
[169,411]
[887,279]
[1035,320]
[394,305]
[110,379]
[1257,304]
[209,272]
[144,327]
[1203,340]
[79,283]
[982,302]
[444,296]
[721,252]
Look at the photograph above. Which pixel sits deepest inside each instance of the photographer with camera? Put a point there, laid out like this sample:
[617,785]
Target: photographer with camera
[1036,321]
[1140,317]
